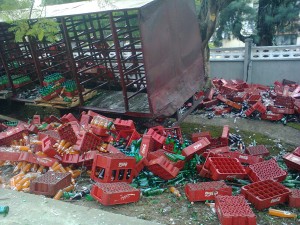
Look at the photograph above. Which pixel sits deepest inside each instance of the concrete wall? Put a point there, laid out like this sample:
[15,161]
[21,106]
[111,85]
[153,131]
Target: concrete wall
[262,65]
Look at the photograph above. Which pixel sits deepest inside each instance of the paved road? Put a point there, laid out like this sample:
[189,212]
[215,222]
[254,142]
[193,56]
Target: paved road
[29,209]
[273,130]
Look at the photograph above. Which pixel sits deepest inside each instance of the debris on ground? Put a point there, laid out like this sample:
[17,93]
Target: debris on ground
[237,98]
[50,156]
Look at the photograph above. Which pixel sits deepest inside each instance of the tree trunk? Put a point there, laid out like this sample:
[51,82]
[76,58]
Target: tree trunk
[265,29]
[207,16]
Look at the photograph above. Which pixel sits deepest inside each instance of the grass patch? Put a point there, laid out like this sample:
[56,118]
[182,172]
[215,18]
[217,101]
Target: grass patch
[294,125]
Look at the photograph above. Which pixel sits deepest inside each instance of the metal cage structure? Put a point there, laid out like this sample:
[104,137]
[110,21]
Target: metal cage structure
[142,57]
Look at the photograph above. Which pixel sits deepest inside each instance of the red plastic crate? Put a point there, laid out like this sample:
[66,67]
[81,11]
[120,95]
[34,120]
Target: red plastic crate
[100,131]
[163,168]
[254,98]
[161,152]
[259,106]
[87,158]
[68,118]
[158,139]
[196,148]
[222,168]
[85,120]
[220,111]
[264,194]
[218,150]
[208,104]
[111,168]
[10,156]
[297,106]
[281,110]
[294,198]
[36,120]
[129,136]
[147,145]
[234,210]
[249,111]
[258,150]
[112,149]
[271,116]
[52,119]
[244,158]
[67,133]
[50,183]
[240,97]
[87,141]
[124,124]
[115,193]
[292,161]
[139,167]
[225,135]
[10,135]
[174,131]
[297,151]
[70,159]
[33,129]
[206,190]
[48,149]
[266,170]
[197,136]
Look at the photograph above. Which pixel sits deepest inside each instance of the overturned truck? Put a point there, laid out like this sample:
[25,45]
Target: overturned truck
[136,58]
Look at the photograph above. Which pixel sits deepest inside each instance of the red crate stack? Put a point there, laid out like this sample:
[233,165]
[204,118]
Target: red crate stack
[115,193]
[294,198]
[266,170]
[163,168]
[124,124]
[292,161]
[111,168]
[196,148]
[87,141]
[50,183]
[234,210]
[67,133]
[222,168]
[264,194]
[258,150]
[206,190]
[68,118]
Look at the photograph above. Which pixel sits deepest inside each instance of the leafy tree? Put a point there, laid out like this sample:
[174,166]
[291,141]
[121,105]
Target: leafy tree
[260,22]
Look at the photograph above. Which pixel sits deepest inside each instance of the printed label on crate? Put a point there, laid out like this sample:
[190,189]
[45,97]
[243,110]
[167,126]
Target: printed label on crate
[122,164]
[275,199]
[143,149]
[210,193]
[197,146]
[126,196]
[243,157]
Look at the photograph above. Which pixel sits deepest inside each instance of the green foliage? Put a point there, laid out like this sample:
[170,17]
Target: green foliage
[257,19]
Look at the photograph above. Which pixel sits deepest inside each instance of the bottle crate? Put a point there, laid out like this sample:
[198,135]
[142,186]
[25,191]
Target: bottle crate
[271,116]
[264,194]
[266,170]
[163,168]
[258,150]
[68,118]
[158,139]
[277,110]
[292,161]
[111,168]
[234,210]
[147,145]
[87,141]
[9,156]
[115,193]
[206,190]
[50,183]
[129,136]
[196,148]
[67,133]
[223,168]
[124,124]
[294,198]
[259,106]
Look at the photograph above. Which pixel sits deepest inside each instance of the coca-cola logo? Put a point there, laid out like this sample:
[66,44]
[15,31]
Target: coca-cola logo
[275,199]
[243,157]
[144,146]
[210,193]
[122,164]
[126,196]
[197,146]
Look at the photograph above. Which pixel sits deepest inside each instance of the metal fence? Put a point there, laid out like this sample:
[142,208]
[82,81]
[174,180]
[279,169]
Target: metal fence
[262,65]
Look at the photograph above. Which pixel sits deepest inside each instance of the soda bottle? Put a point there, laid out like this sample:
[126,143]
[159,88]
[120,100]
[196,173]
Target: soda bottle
[4,210]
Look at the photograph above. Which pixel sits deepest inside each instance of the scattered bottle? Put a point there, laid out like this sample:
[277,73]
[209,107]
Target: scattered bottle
[281,213]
